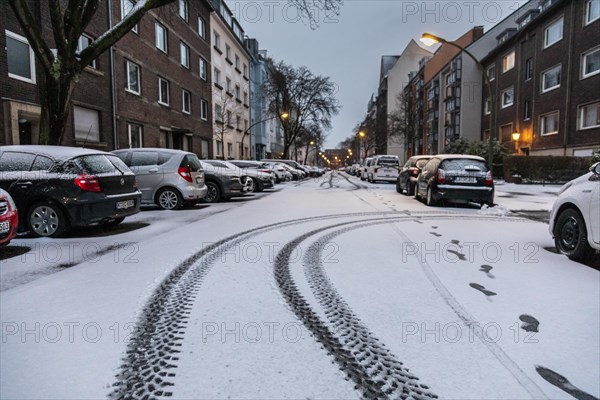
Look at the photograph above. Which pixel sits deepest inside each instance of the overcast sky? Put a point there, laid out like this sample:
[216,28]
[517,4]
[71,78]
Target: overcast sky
[348,47]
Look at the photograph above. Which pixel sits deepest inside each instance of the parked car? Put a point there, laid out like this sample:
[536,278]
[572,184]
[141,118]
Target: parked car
[575,217]
[9,218]
[281,173]
[295,165]
[167,178]
[408,174]
[364,166]
[261,175]
[223,183]
[383,168]
[57,187]
[455,177]
[296,173]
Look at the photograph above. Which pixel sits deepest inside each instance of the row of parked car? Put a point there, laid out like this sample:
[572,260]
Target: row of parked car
[574,220]
[46,190]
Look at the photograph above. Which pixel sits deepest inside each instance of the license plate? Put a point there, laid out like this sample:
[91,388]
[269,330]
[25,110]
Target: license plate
[199,180]
[4,227]
[121,205]
[465,179]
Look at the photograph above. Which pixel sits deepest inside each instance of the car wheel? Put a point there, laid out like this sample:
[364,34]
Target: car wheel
[46,220]
[398,187]
[430,201]
[213,194]
[570,236]
[362,178]
[410,189]
[169,199]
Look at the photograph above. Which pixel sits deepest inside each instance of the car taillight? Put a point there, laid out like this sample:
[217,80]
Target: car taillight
[268,171]
[89,183]
[440,176]
[489,179]
[185,173]
[414,172]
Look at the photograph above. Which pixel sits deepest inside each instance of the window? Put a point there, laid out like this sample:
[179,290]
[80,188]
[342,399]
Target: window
[184,56]
[183,9]
[589,116]
[491,73]
[20,58]
[228,52]
[186,101]
[592,11]
[551,79]
[487,107]
[508,61]
[237,62]
[203,149]
[245,70]
[202,27]
[160,33]
[217,40]
[83,42]
[133,77]
[218,113]
[228,85]
[229,118]
[238,92]
[529,69]
[87,124]
[217,76]
[202,68]
[135,135]
[238,122]
[553,33]
[507,97]
[16,161]
[126,7]
[527,110]
[591,63]
[229,149]
[246,98]
[203,110]
[506,132]
[41,163]
[549,124]
[163,91]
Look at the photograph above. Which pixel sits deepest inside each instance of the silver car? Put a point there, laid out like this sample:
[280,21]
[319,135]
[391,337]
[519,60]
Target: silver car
[167,178]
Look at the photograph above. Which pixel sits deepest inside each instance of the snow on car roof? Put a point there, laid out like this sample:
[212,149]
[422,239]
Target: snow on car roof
[56,152]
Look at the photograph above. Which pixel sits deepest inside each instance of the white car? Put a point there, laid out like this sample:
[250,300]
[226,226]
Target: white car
[575,217]
[383,168]
[364,168]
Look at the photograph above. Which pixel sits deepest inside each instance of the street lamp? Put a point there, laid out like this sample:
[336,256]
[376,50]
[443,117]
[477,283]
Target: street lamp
[247,131]
[429,39]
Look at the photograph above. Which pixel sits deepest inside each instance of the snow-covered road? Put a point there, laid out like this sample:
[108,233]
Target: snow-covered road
[329,288]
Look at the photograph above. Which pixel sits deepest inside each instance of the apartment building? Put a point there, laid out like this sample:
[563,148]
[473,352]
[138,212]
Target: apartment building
[547,79]
[231,84]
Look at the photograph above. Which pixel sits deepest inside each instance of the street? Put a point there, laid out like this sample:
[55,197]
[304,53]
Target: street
[324,288]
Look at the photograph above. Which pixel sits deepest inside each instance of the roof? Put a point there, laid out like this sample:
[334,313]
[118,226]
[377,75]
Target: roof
[56,152]
[451,156]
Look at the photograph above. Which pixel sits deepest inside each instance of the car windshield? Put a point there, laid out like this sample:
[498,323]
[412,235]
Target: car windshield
[463,164]
[191,162]
[421,163]
[101,164]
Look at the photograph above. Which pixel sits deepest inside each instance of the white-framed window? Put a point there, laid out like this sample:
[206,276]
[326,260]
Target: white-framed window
[135,135]
[592,11]
[219,148]
[229,122]
[238,122]
[202,68]
[87,124]
[549,123]
[228,84]
[217,76]
[203,110]
[589,116]
[227,52]
[245,71]
[160,33]
[237,62]
[487,106]
[230,149]
[218,113]
[201,27]
[133,83]
[245,97]
[553,32]
[183,9]
[83,42]
[508,61]
[590,62]
[491,72]
[186,101]
[184,55]
[238,92]
[163,92]
[126,7]
[551,79]
[20,58]
[527,110]
[217,40]
[508,97]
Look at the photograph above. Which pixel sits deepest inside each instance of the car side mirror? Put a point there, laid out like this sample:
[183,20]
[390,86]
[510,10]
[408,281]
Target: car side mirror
[595,168]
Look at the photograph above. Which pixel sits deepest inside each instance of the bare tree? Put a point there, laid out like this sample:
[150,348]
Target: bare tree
[299,99]
[226,110]
[313,10]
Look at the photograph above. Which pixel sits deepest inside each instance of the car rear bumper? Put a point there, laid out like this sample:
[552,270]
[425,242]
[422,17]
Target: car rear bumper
[90,212]
[194,192]
[12,217]
[377,177]
[464,193]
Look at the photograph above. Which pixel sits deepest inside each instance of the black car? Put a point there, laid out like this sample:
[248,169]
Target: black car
[57,187]
[408,174]
[455,177]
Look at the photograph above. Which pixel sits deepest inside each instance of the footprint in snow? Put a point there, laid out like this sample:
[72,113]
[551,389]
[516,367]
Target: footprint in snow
[435,234]
[460,256]
[487,269]
[563,383]
[530,324]
[454,241]
[482,289]
[434,227]
[417,221]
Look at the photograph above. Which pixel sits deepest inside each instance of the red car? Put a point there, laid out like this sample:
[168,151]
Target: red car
[9,218]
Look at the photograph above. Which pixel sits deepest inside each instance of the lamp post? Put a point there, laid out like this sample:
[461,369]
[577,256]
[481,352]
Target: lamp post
[515,137]
[247,131]
[362,136]
[429,39]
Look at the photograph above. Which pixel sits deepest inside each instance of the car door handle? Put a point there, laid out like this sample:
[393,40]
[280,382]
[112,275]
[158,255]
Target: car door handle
[153,170]
[25,184]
